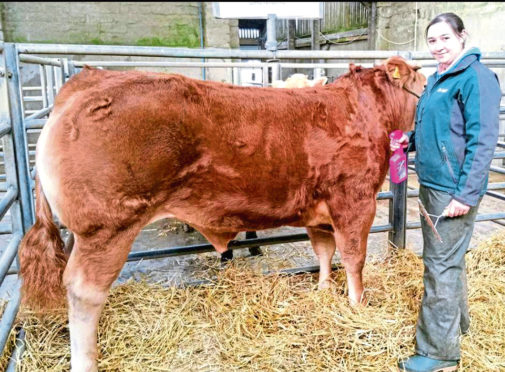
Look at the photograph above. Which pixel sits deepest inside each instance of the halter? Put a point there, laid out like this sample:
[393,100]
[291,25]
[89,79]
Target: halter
[412,92]
[396,75]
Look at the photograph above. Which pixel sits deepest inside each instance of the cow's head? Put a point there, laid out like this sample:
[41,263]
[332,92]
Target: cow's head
[405,75]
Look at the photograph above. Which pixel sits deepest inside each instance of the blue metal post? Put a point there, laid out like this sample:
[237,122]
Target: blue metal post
[200,16]
[271,43]
[398,214]
[19,136]
[398,205]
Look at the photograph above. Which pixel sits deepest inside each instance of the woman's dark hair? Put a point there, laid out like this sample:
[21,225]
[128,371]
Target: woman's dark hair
[451,19]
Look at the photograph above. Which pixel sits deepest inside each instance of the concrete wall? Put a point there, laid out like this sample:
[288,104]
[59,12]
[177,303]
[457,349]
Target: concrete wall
[219,33]
[126,23]
[171,24]
[1,22]
[396,22]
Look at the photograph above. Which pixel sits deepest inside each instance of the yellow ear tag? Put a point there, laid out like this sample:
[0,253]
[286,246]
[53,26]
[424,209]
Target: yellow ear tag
[396,73]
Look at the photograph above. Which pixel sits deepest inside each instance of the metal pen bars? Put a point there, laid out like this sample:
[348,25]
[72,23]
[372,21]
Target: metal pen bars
[15,188]
[20,125]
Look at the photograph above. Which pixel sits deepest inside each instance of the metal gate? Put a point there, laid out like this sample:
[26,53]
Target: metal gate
[56,63]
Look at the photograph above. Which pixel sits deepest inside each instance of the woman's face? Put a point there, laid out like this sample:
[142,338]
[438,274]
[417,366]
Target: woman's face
[443,43]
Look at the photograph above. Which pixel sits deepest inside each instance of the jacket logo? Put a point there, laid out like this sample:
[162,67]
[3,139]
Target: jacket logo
[442,90]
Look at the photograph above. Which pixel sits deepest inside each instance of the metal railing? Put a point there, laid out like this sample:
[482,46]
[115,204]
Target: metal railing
[13,201]
[336,15]
[16,124]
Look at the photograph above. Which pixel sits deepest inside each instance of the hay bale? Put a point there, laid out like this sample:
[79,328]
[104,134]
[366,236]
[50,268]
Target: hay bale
[244,321]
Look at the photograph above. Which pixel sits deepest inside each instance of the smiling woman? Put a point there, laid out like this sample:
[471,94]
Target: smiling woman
[446,37]
[455,136]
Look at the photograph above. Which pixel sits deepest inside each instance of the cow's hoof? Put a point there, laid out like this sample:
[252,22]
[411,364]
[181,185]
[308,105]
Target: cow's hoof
[226,256]
[255,251]
[359,301]
[327,284]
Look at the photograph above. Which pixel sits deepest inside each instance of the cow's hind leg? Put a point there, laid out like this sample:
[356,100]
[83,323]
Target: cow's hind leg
[254,251]
[93,266]
[323,244]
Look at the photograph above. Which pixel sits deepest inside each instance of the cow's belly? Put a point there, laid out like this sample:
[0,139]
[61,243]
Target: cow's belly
[161,215]
[220,220]
[319,215]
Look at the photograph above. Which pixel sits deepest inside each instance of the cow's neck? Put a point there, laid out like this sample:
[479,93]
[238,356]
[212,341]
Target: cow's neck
[390,101]
[393,109]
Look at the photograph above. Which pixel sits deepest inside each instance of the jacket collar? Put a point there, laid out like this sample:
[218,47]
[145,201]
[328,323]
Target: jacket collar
[466,58]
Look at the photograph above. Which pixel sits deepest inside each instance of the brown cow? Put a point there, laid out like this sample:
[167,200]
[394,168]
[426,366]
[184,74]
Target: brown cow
[123,149]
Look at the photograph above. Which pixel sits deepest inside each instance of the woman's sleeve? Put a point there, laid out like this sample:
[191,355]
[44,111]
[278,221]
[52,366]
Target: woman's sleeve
[481,97]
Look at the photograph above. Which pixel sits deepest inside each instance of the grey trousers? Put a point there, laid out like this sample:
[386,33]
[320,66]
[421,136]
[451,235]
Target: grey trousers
[444,308]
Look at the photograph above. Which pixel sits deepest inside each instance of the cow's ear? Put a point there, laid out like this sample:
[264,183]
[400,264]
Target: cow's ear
[396,73]
[353,68]
[397,69]
[403,65]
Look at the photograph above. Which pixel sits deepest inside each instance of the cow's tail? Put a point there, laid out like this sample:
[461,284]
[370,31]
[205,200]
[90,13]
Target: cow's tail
[42,260]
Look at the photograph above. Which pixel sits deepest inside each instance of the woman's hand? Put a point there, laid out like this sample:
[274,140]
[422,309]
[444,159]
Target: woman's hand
[395,144]
[455,208]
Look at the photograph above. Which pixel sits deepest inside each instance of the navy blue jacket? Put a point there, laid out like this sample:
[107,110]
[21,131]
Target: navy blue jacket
[457,128]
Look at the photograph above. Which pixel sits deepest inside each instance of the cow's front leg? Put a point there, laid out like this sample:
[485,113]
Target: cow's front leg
[353,264]
[324,246]
[351,238]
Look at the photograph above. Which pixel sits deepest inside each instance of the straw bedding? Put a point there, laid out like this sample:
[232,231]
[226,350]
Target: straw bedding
[244,321]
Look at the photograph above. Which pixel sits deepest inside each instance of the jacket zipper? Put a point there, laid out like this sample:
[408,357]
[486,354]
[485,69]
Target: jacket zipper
[446,159]
[423,102]
[430,91]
